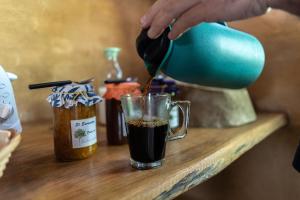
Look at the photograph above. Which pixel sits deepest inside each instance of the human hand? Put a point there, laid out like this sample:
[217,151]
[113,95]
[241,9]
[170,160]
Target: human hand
[191,12]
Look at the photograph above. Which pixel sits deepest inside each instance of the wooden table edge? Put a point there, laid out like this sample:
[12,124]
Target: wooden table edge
[202,170]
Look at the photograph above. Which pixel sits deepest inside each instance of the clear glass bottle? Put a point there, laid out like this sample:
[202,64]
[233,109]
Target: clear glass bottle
[111,54]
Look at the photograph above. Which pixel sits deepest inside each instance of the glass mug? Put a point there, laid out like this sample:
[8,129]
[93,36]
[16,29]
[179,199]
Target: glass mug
[148,130]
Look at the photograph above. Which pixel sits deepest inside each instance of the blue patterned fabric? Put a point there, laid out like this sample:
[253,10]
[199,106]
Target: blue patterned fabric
[72,94]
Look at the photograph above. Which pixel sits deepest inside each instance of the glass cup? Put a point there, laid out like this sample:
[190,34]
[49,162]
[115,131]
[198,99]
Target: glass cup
[148,128]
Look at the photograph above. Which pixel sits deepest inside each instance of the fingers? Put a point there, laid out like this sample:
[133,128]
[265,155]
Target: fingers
[168,11]
[148,17]
[214,11]
[160,23]
[188,19]
[191,12]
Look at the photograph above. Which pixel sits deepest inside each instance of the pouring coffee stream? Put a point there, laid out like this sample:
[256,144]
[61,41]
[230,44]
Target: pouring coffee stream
[146,90]
[152,52]
[147,86]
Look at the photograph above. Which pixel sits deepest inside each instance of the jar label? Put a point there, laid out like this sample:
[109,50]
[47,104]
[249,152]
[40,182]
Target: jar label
[84,132]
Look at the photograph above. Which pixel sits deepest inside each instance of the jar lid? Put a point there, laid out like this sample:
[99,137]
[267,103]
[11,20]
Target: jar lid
[116,90]
[70,95]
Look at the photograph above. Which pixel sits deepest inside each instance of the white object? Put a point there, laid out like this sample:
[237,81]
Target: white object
[102,107]
[8,108]
[4,138]
[5,111]
[12,76]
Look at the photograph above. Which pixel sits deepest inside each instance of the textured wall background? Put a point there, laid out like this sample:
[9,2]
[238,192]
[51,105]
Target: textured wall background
[45,40]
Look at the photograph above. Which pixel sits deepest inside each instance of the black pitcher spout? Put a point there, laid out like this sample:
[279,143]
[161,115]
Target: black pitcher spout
[296,161]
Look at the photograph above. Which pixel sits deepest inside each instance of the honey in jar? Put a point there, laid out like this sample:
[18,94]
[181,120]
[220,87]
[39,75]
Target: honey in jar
[75,130]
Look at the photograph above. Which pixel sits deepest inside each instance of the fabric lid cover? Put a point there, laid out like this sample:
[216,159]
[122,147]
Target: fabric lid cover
[72,94]
[115,91]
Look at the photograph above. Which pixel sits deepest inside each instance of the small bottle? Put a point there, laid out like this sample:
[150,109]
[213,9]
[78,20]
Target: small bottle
[75,129]
[115,122]
[111,54]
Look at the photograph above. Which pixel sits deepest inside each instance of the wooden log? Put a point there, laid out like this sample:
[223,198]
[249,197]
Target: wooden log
[217,108]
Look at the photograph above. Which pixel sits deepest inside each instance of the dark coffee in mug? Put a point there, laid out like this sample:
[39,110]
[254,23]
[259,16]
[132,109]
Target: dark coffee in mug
[147,121]
[147,140]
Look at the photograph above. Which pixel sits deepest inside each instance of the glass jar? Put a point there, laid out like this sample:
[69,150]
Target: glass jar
[115,122]
[75,130]
[115,125]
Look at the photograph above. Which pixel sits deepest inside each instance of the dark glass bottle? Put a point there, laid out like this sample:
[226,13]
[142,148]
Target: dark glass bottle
[115,122]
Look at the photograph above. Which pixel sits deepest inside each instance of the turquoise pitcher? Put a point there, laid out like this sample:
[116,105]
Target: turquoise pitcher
[209,54]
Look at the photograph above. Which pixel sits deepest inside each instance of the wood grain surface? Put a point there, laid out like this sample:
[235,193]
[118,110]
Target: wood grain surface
[33,173]
[6,151]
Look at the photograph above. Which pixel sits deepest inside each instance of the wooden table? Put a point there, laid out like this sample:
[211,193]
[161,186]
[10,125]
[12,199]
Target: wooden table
[33,172]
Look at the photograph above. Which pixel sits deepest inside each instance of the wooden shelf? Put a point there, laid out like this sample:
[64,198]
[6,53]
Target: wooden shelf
[33,172]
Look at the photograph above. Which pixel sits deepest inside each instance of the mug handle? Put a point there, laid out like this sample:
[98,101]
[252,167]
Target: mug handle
[184,106]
